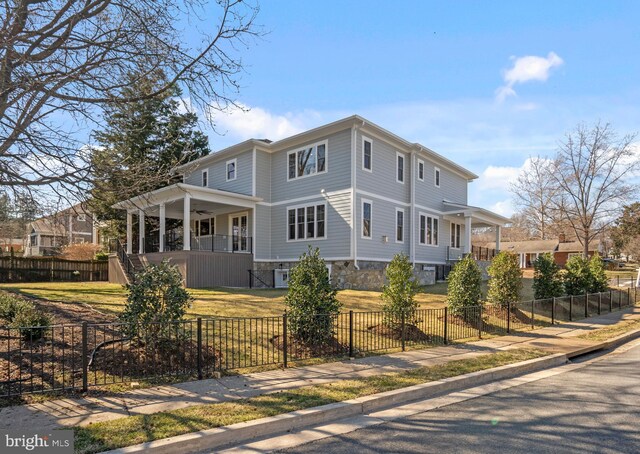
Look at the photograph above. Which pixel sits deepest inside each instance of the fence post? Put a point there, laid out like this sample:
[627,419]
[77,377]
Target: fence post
[508,317]
[610,300]
[85,358]
[553,311]
[480,323]
[618,280]
[446,328]
[599,303]
[628,296]
[571,308]
[586,305]
[350,334]
[533,315]
[199,349]
[284,340]
[402,332]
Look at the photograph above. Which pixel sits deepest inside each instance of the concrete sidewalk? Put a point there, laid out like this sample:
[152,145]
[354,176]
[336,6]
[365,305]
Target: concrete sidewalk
[88,410]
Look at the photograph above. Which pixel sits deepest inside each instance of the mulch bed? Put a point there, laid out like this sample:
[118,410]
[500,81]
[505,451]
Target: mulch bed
[300,349]
[412,333]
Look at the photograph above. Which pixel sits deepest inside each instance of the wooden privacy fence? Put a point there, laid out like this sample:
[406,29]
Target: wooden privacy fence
[51,269]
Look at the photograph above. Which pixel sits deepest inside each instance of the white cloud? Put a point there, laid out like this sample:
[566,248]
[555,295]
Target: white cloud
[504,208]
[499,178]
[526,69]
[245,122]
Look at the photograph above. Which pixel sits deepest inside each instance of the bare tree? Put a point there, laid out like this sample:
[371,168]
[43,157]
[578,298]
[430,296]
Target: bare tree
[534,192]
[592,170]
[62,61]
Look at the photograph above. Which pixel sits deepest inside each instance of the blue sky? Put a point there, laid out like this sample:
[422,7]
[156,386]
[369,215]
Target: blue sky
[486,84]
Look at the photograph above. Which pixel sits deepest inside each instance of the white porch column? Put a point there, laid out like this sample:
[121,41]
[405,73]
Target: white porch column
[129,232]
[140,232]
[467,234]
[186,223]
[498,234]
[162,227]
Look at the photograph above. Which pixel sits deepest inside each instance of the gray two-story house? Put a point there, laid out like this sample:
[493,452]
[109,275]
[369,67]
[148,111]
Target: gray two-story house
[358,192]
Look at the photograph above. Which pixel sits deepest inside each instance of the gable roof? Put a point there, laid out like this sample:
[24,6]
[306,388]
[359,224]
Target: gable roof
[336,126]
[527,246]
[576,246]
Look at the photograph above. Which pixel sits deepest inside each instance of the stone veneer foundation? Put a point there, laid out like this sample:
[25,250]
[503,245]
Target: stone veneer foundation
[344,275]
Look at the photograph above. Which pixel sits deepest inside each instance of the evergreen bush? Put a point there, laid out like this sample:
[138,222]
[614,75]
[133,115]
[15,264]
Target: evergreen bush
[505,279]
[311,300]
[398,294]
[547,280]
[577,278]
[32,322]
[463,289]
[155,299]
[599,280]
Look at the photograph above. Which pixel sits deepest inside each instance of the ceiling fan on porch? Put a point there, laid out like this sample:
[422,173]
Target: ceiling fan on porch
[201,212]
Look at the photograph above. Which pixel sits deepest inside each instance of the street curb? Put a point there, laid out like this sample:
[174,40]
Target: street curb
[240,433]
[621,339]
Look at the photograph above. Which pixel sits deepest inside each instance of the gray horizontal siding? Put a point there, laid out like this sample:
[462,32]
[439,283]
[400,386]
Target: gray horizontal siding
[217,175]
[383,222]
[337,176]
[427,253]
[262,249]
[263,175]
[337,243]
[452,187]
[382,178]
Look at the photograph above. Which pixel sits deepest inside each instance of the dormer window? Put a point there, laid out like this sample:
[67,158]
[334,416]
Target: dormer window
[307,161]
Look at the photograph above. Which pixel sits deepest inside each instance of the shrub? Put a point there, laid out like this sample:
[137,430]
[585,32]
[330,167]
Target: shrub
[10,305]
[398,294]
[101,256]
[577,278]
[32,322]
[599,280]
[547,281]
[155,299]
[463,289]
[311,300]
[505,279]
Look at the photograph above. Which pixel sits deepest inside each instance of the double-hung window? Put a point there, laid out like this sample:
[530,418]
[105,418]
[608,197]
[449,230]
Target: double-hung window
[420,170]
[399,168]
[436,177]
[399,225]
[307,161]
[455,235]
[205,178]
[367,150]
[232,171]
[429,230]
[306,222]
[205,227]
[366,219]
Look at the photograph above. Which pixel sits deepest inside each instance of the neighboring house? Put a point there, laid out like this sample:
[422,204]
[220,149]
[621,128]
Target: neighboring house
[46,236]
[355,190]
[7,244]
[529,250]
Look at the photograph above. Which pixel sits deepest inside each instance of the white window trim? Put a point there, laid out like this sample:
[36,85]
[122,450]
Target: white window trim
[437,181]
[420,163]
[452,226]
[426,229]
[404,217]
[362,202]
[196,226]
[305,205]
[366,139]
[205,172]
[235,171]
[404,167]
[314,145]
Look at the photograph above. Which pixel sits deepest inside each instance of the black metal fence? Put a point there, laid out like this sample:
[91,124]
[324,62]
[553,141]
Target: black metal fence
[77,357]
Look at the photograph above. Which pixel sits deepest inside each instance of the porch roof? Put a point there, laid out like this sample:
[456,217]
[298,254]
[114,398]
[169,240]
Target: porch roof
[178,191]
[480,217]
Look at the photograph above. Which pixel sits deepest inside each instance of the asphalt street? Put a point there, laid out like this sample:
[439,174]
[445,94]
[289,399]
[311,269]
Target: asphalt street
[593,409]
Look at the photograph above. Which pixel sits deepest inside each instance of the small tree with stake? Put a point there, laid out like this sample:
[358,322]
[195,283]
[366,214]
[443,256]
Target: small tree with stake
[547,281]
[398,294]
[463,289]
[505,279]
[311,300]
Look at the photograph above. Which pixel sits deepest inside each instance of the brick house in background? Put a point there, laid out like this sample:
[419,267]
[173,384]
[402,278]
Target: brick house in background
[46,236]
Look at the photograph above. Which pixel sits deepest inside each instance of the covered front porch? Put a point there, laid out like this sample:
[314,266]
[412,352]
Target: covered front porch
[200,219]
[471,218]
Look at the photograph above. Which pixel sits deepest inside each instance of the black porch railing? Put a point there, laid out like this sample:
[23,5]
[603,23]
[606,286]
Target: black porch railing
[79,356]
[210,243]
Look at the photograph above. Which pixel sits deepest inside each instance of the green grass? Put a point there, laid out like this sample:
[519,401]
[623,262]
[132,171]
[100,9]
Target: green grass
[612,331]
[110,298]
[138,429]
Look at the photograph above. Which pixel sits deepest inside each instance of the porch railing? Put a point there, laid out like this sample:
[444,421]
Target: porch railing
[222,243]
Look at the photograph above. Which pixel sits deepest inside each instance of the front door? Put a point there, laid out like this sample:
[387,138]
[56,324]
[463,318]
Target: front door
[239,240]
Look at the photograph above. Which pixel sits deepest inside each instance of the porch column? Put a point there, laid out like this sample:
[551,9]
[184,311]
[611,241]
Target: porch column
[129,232]
[140,232]
[467,234]
[162,227]
[498,234]
[186,223]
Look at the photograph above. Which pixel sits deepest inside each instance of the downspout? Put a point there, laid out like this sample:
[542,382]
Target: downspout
[412,248]
[354,244]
